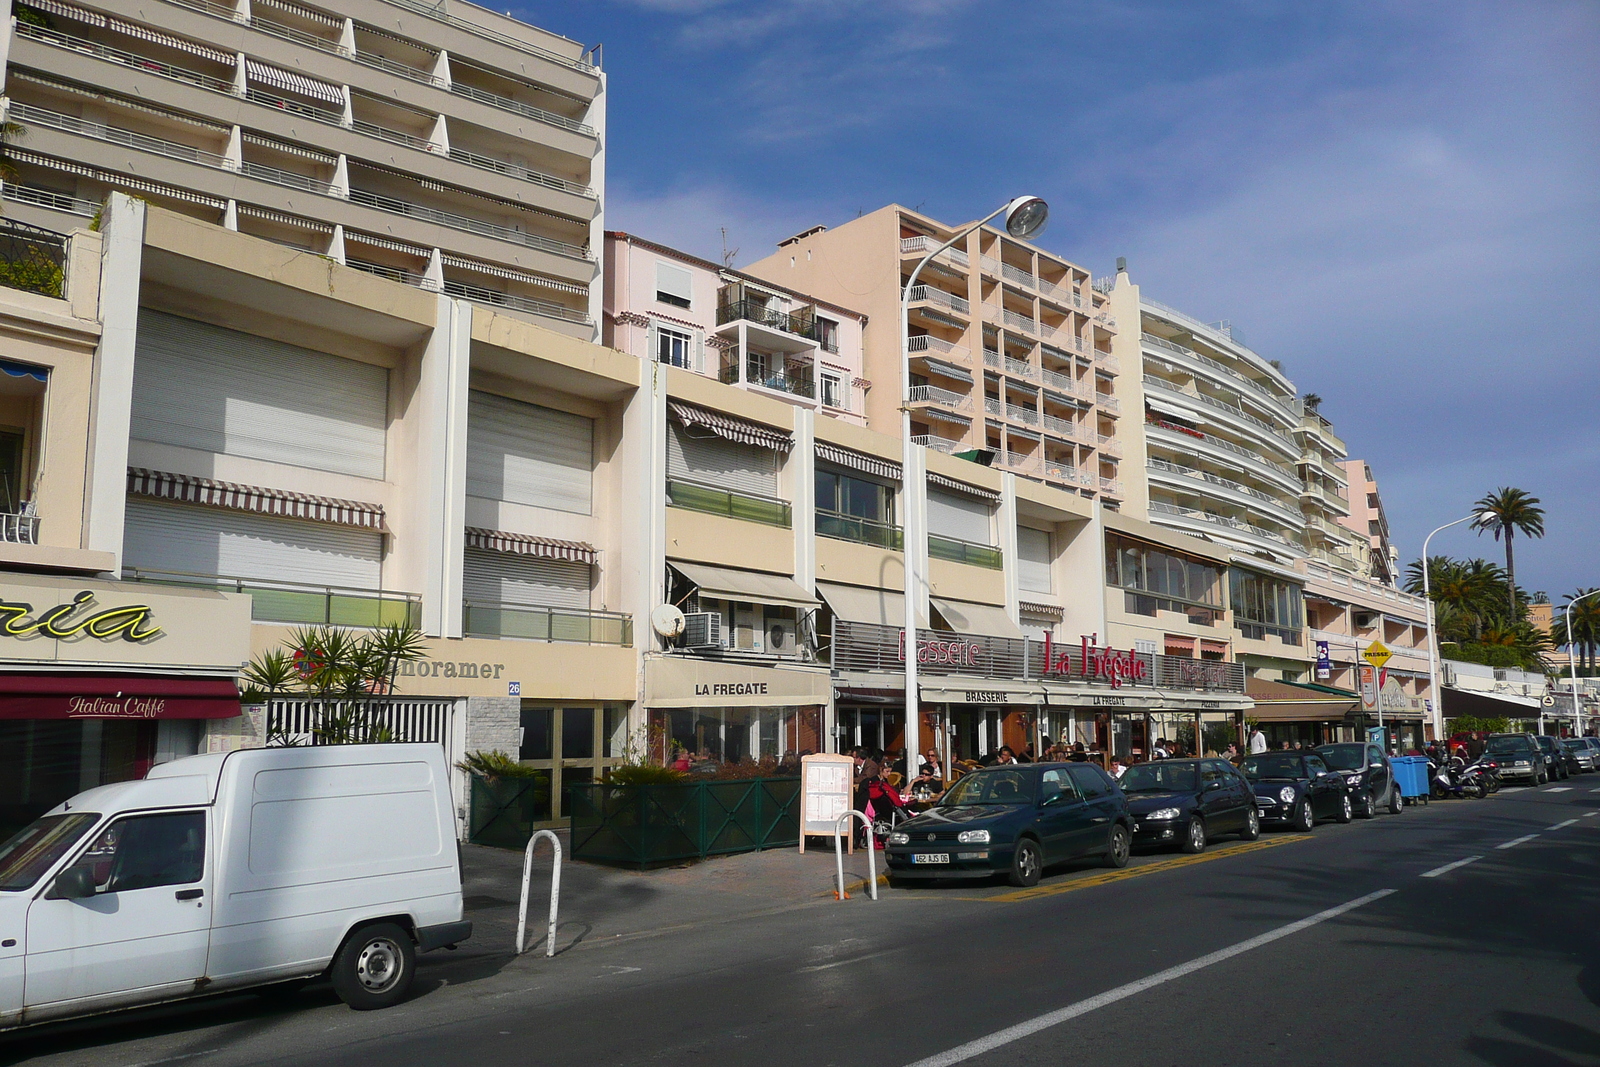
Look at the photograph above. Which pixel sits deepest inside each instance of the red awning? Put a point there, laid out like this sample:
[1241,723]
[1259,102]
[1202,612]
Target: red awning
[116,696]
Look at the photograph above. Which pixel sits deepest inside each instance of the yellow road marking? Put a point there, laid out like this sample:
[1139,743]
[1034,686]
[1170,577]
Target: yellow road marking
[1107,877]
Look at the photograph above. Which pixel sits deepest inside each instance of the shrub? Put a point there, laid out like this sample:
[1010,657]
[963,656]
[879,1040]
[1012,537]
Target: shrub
[494,765]
[644,774]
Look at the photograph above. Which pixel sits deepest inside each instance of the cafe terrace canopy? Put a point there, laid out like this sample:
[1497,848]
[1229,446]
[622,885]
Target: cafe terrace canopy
[116,696]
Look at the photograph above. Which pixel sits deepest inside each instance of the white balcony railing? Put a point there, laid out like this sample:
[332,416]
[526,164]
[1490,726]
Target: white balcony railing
[938,444]
[1021,368]
[477,294]
[1017,461]
[927,294]
[1110,485]
[1061,383]
[1060,427]
[910,246]
[1220,520]
[924,343]
[1108,363]
[1228,446]
[1018,413]
[1109,446]
[932,394]
[20,528]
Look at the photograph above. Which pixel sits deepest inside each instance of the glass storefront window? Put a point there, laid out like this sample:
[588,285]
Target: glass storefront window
[569,744]
[734,735]
[577,733]
[1263,605]
[536,734]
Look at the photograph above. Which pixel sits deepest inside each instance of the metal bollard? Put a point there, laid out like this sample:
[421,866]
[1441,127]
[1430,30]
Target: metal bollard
[555,892]
[872,859]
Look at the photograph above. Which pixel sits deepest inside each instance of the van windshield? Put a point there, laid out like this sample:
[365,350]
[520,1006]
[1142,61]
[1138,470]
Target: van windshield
[35,848]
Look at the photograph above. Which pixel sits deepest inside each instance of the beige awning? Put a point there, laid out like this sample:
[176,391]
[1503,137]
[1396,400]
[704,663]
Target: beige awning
[854,603]
[753,587]
[969,618]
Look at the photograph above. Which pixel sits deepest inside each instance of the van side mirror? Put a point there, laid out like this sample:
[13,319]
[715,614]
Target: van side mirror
[74,883]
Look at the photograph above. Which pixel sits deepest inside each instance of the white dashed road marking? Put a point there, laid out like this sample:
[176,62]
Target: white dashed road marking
[1560,825]
[1563,789]
[1514,842]
[1447,868]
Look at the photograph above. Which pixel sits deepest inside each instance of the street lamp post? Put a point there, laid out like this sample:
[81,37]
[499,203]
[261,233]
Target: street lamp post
[1025,217]
[1572,663]
[1433,643]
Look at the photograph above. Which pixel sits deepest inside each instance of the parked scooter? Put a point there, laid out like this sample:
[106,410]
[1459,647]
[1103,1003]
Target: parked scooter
[1456,779]
[1489,770]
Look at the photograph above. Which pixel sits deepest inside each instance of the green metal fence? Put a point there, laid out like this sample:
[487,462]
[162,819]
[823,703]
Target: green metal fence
[642,825]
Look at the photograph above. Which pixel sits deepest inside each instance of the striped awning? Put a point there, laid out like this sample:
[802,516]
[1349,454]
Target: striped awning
[167,40]
[945,416]
[387,242]
[294,83]
[188,489]
[1033,607]
[526,278]
[734,429]
[70,11]
[303,12]
[296,221]
[859,461]
[962,487]
[527,545]
[947,370]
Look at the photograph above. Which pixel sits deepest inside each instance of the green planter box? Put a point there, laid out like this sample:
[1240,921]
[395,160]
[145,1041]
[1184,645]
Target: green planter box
[504,812]
[644,825]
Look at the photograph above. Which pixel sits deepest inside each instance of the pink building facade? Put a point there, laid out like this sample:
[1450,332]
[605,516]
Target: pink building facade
[1368,519]
[670,307]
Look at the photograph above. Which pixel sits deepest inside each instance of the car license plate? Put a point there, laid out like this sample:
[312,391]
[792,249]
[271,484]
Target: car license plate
[930,857]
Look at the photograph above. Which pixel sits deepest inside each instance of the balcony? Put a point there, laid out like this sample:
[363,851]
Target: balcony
[915,246]
[33,260]
[1017,461]
[1109,446]
[1105,320]
[932,394]
[964,552]
[1108,363]
[1021,368]
[1015,320]
[927,294]
[1280,545]
[1011,412]
[1061,383]
[861,531]
[714,501]
[1255,427]
[794,379]
[461,222]
[770,317]
[1059,427]
[1187,435]
[1066,472]
[1065,295]
[923,344]
[1224,374]
[517,107]
[949,446]
[1107,402]
[309,605]
[482,162]
[522,622]
[1250,497]
[19,527]
[494,298]
[124,58]
[1111,486]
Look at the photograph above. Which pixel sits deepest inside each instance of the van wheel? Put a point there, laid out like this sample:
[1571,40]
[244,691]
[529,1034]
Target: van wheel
[375,966]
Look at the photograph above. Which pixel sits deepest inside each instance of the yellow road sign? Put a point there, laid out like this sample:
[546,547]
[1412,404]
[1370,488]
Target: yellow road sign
[1376,654]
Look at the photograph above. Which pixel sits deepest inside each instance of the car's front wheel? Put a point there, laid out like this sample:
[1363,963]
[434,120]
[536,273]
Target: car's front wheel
[1304,818]
[375,967]
[1026,864]
[1252,826]
[1194,836]
[1396,802]
[1346,812]
[1367,808]
[1118,845]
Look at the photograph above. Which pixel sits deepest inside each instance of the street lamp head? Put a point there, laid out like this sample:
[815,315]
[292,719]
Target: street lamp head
[1026,216]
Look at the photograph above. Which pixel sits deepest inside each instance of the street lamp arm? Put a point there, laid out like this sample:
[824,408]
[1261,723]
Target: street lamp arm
[1433,642]
[1572,660]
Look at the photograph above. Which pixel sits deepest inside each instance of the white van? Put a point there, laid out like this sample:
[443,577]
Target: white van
[223,871]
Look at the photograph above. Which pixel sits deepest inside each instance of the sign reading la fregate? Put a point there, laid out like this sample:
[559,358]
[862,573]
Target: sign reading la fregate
[131,622]
[1095,661]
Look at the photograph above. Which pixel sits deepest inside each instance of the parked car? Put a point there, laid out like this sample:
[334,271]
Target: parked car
[1296,789]
[1555,760]
[1518,758]
[1186,802]
[1017,820]
[1367,775]
[220,872]
[1581,752]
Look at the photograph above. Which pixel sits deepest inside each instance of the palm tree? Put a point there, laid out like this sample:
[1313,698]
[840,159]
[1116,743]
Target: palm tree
[1508,511]
[1585,629]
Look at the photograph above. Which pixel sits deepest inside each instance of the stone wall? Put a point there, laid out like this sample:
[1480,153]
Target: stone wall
[494,723]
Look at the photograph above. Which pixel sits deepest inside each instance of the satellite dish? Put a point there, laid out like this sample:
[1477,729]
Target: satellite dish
[666,620]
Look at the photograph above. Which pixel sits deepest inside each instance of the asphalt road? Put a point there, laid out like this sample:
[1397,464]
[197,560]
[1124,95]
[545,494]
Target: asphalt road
[1353,945]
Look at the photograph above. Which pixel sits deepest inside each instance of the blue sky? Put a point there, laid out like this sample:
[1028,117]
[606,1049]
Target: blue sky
[1401,202]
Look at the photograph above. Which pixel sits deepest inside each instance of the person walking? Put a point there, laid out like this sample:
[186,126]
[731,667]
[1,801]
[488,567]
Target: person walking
[1258,741]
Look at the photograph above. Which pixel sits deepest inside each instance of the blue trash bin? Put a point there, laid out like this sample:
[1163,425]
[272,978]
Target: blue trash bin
[1411,774]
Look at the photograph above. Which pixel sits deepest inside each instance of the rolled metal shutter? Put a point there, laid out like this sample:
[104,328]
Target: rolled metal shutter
[184,539]
[527,454]
[960,517]
[507,578]
[1033,560]
[204,387]
[718,462]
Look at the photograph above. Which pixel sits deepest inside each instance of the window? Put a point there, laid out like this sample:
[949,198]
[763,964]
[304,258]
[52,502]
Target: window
[1372,527]
[146,851]
[1316,766]
[828,334]
[1033,560]
[1263,605]
[674,285]
[1158,580]
[847,494]
[1091,781]
[675,348]
[1053,784]
[831,391]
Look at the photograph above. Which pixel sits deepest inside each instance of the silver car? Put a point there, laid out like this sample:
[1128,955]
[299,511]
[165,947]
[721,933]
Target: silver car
[1581,750]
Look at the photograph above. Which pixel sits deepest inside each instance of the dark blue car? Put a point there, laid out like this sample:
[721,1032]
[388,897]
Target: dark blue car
[1017,820]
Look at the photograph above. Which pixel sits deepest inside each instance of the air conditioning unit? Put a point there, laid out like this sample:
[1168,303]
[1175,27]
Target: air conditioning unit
[1365,619]
[782,637]
[703,629]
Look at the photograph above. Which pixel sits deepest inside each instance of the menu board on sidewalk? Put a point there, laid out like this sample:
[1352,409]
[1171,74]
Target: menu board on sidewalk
[826,782]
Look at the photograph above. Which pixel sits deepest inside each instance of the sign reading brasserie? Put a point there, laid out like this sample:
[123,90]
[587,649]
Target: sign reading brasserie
[129,622]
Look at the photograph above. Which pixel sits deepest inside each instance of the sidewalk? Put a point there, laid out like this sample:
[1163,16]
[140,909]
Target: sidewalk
[606,902]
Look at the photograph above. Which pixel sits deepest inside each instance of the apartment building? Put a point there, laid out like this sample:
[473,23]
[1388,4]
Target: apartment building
[669,307]
[231,438]
[445,146]
[1367,519]
[1011,347]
